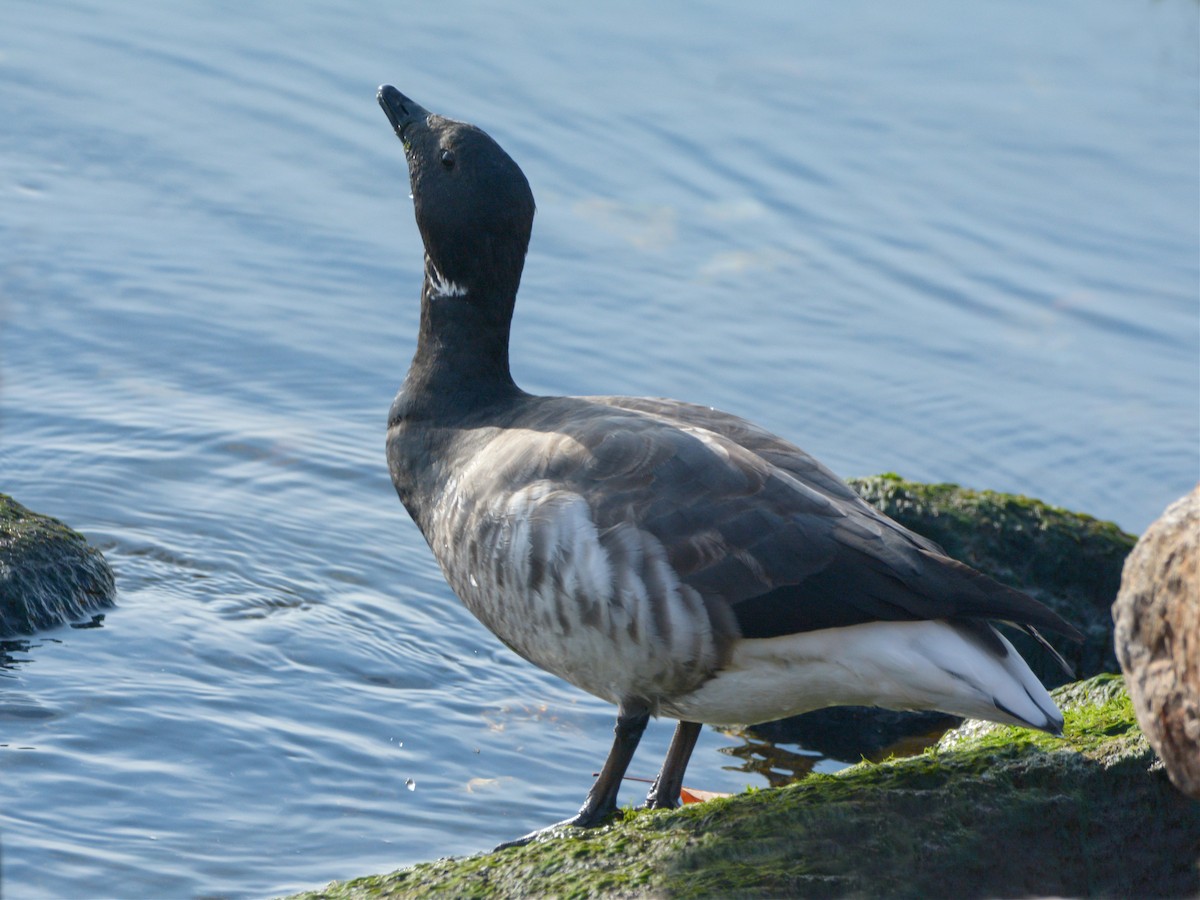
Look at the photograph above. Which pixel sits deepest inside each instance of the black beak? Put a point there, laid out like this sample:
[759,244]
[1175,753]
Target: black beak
[401,111]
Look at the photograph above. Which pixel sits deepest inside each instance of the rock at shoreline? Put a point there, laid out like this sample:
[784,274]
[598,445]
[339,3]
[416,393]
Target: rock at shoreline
[1157,617]
[1069,561]
[992,811]
[49,575]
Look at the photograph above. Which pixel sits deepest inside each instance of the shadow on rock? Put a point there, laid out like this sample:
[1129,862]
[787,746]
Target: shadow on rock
[1069,561]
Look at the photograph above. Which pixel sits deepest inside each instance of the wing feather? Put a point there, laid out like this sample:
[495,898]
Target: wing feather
[749,518]
[771,540]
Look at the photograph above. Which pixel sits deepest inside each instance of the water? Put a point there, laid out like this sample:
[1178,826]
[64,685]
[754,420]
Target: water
[961,245]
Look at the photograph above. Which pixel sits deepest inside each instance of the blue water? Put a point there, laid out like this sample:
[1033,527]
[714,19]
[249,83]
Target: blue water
[957,242]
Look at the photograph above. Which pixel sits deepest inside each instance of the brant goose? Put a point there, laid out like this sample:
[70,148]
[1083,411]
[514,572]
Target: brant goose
[669,558]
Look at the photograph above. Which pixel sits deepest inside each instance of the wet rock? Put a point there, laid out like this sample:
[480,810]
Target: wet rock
[1069,561]
[1157,615]
[992,812]
[48,574]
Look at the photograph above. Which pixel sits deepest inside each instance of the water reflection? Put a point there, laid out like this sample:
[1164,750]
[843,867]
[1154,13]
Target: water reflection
[851,733]
[8,651]
[788,750]
[778,765]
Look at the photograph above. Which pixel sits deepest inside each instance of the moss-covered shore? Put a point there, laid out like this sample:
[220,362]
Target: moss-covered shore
[992,811]
[1070,561]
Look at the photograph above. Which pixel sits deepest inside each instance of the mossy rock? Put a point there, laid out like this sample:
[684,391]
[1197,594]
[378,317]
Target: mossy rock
[49,575]
[991,811]
[1070,561]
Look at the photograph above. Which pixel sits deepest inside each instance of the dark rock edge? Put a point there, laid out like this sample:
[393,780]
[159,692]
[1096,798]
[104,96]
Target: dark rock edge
[49,575]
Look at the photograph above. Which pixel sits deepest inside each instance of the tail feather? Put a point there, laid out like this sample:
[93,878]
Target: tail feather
[1005,688]
[953,666]
[1067,668]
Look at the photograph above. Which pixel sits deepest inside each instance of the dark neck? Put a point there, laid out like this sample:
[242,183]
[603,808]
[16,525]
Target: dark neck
[461,361]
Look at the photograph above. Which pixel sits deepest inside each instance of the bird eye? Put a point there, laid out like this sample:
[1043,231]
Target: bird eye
[448,159]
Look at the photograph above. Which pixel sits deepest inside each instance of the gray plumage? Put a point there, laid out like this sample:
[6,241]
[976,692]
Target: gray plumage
[664,556]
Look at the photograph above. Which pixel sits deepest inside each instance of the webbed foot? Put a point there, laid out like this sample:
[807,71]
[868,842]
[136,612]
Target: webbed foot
[582,819]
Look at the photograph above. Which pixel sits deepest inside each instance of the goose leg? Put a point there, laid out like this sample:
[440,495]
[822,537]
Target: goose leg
[665,792]
[602,798]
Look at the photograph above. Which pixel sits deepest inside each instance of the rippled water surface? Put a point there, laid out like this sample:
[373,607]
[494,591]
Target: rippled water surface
[957,242]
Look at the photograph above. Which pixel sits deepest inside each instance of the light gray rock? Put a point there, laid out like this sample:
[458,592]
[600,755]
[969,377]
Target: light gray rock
[1157,616]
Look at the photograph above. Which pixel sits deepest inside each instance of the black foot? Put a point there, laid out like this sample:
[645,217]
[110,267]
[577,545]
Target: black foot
[580,820]
[665,792]
[601,800]
[655,800]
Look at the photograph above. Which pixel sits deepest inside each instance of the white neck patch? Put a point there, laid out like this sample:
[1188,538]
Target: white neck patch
[441,287]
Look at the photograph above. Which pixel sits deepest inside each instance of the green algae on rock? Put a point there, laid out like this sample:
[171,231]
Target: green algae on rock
[48,574]
[993,811]
[1070,561]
